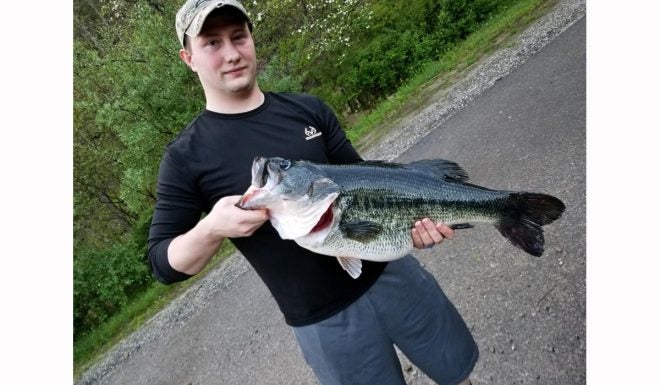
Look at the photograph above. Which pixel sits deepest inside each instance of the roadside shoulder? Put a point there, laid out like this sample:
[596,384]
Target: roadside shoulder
[478,80]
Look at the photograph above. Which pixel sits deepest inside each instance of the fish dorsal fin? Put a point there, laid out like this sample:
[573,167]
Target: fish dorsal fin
[353,266]
[378,163]
[361,231]
[442,168]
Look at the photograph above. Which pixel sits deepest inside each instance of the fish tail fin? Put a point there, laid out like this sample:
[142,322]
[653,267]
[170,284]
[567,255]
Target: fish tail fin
[526,213]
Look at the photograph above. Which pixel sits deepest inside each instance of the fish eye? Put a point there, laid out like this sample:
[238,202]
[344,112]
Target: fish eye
[285,164]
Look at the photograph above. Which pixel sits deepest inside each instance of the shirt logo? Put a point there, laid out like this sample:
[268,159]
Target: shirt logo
[311,133]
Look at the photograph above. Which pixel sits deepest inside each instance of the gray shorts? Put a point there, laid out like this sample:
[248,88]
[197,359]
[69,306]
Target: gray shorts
[405,307]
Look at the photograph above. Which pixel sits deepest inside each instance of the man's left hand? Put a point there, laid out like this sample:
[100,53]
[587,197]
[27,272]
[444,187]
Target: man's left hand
[425,234]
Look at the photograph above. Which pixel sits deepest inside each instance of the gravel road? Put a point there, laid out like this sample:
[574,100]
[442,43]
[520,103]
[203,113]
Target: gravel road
[521,119]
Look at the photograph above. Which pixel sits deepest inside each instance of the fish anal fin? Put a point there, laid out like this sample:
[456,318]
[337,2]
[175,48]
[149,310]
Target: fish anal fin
[361,231]
[460,226]
[353,266]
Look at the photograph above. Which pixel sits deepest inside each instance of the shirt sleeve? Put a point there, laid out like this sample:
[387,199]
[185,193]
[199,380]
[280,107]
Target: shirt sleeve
[177,210]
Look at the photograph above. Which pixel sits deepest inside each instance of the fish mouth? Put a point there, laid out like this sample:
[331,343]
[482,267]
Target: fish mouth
[259,171]
[324,221]
[255,199]
[243,202]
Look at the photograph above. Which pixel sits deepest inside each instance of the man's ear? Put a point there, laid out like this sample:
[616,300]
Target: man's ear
[186,57]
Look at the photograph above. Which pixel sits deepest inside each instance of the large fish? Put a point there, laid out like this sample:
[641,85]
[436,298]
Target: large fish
[366,210]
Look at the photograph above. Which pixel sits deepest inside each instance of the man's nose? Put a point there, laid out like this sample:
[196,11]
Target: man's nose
[231,53]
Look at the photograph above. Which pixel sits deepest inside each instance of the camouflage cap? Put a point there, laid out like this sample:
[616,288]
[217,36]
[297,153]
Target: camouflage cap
[191,16]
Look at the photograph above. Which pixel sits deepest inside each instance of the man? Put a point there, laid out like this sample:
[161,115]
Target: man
[345,327]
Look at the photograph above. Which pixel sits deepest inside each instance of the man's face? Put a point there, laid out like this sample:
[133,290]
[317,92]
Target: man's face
[223,56]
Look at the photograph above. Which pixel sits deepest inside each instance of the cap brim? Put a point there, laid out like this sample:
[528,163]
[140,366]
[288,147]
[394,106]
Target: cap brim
[198,22]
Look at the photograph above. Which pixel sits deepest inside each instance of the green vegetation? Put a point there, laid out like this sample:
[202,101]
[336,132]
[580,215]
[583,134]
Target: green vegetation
[132,95]
[130,317]
[492,35]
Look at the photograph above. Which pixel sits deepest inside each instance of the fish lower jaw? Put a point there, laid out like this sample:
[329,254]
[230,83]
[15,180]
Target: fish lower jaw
[254,199]
[314,239]
[290,227]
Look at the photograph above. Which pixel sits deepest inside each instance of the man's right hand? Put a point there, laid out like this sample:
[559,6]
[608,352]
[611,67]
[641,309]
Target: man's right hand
[190,252]
[227,220]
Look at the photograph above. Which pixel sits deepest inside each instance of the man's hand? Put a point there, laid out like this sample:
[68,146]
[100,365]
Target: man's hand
[228,221]
[426,233]
[190,252]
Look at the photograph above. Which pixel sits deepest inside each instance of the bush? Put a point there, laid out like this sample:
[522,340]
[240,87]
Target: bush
[105,280]
[366,55]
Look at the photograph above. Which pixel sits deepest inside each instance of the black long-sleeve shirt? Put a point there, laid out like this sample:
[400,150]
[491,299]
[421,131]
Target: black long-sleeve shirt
[212,158]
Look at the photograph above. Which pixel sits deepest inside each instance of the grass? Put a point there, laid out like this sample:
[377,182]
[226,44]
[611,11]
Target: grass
[91,346]
[494,34]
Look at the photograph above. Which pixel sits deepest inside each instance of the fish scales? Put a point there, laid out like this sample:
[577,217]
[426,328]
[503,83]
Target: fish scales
[397,214]
[367,210]
[453,204]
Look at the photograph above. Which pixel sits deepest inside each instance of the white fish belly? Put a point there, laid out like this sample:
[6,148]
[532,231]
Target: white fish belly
[385,247]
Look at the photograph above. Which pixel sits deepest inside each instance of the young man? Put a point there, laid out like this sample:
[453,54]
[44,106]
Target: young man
[345,327]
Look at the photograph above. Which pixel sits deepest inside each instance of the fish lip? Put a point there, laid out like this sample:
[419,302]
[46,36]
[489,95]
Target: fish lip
[247,200]
[259,165]
[242,203]
[265,176]
[273,172]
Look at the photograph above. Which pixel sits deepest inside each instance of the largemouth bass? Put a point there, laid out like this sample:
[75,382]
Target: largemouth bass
[366,210]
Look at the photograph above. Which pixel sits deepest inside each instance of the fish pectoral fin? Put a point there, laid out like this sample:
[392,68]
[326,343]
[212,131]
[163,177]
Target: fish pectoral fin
[361,231]
[460,226]
[353,266]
